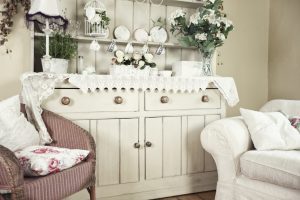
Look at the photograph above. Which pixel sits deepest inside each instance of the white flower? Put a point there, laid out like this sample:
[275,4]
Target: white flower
[148,57]
[176,14]
[126,57]
[211,1]
[120,59]
[211,18]
[141,63]
[201,36]
[119,54]
[194,19]
[136,56]
[96,19]
[226,21]
[221,36]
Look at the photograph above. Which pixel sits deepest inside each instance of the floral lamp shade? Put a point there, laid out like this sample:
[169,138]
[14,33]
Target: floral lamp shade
[46,10]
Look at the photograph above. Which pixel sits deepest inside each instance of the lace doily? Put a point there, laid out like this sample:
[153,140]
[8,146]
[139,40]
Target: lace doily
[39,86]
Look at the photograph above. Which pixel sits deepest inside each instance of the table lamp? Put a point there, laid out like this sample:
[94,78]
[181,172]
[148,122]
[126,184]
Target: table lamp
[46,12]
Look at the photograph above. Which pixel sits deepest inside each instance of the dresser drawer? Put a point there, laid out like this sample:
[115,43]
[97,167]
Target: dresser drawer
[75,101]
[208,99]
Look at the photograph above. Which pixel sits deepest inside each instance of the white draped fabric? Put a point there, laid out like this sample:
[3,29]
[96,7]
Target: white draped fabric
[39,86]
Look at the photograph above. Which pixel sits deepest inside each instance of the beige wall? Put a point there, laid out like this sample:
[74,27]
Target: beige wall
[284,56]
[14,64]
[245,54]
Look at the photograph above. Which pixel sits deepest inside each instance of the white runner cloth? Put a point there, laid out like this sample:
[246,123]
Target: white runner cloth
[39,86]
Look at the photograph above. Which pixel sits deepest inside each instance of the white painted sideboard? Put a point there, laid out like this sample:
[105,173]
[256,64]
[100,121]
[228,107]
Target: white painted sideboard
[148,143]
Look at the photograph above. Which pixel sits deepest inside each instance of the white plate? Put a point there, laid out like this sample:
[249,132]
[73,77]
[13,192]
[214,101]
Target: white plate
[158,34]
[141,35]
[122,33]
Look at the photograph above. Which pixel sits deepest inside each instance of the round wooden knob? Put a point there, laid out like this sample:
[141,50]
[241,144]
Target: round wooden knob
[164,99]
[205,99]
[148,144]
[65,101]
[118,100]
[137,145]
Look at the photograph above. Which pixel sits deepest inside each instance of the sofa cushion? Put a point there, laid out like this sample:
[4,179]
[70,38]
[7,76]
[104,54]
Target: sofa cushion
[16,132]
[43,160]
[271,131]
[277,167]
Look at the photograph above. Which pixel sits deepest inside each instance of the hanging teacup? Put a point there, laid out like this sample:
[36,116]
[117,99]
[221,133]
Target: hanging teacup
[112,47]
[161,50]
[129,48]
[95,46]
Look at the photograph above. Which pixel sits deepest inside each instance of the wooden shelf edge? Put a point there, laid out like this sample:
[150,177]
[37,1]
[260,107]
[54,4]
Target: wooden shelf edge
[106,40]
[179,3]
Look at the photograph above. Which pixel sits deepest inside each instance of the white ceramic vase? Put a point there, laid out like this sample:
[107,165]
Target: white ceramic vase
[55,65]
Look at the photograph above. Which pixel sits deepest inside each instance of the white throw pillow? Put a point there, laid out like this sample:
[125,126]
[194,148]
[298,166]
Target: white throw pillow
[15,131]
[43,160]
[271,131]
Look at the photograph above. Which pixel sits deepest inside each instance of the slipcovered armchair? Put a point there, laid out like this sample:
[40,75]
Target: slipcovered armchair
[229,142]
[57,186]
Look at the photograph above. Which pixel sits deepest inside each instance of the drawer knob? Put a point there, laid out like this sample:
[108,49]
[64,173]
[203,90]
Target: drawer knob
[205,99]
[118,100]
[65,101]
[148,144]
[137,145]
[164,99]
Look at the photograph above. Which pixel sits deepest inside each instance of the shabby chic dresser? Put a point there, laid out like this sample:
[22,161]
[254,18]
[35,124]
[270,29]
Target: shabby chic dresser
[148,142]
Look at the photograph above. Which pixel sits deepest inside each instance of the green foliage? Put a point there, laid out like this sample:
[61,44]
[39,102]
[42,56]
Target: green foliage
[62,45]
[105,20]
[207,28]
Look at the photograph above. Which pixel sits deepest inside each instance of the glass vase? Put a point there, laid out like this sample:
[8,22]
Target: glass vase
[207,67]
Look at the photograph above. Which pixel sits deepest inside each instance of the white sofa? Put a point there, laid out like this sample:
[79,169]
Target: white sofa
[247,174]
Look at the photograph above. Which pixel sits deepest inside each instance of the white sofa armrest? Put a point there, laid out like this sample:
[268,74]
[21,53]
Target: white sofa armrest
[226,140]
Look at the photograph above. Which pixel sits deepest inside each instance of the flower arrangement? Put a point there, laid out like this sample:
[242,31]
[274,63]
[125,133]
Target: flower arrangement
[137,60]
[206,29]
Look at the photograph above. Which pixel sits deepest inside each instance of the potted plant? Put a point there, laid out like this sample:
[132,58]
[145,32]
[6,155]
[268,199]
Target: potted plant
[62,48]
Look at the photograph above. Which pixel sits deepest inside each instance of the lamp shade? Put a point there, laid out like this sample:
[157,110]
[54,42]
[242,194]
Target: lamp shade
[42,10]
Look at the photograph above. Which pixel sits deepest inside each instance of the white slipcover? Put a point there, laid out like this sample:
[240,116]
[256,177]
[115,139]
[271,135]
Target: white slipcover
[227,140]
[276,167]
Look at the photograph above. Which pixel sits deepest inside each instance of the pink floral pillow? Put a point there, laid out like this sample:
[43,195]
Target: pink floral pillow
[295,121]
[44,160]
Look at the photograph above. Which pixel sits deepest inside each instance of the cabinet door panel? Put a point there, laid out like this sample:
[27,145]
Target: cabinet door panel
[153,131]
[129,154]
[108,151]
[210,164]
[195,150]
[171,146]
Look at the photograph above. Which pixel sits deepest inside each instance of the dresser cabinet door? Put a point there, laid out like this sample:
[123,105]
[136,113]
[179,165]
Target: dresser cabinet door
[163,147]
[117,154]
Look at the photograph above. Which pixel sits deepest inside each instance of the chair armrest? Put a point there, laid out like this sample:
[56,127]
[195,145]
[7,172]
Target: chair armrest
[66,134]
[11,173]
[226,140]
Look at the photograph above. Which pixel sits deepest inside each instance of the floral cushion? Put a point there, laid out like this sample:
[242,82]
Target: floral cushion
[295,121]
[44,160]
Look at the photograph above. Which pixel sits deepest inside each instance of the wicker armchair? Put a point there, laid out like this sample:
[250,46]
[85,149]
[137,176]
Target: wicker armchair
[56,186]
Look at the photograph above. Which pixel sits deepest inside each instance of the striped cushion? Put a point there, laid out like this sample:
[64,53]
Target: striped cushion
[60,185]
